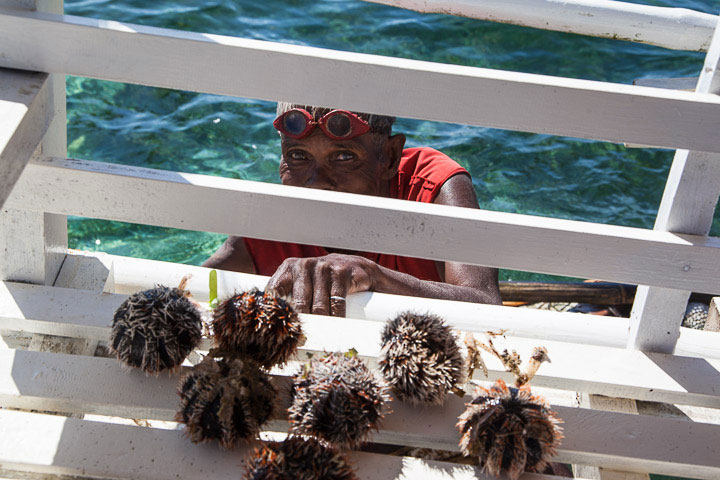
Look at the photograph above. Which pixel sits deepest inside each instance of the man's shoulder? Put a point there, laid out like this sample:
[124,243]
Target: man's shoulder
[428,163]
[424,154]
[422,172]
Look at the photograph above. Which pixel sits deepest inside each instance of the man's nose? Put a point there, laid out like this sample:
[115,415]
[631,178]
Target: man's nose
[321,180]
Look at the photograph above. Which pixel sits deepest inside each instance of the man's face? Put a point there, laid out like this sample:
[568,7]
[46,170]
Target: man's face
[358,165]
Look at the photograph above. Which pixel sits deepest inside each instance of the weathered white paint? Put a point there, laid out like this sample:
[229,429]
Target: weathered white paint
[37,241]
[50,444]
[364,223]
[25,114]
[133,274]
[407,88]
[84,271]
[713,319]
[577,367]
[697,343]
[130,275]
[613,440]
[609,404]
[78,272]
[677,28]
[688,206]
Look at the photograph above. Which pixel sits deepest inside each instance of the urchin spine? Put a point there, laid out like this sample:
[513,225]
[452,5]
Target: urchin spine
[259,325]
[337,399]
[420,358]
[155,329]
[509,430]
[298,458]
[225,400]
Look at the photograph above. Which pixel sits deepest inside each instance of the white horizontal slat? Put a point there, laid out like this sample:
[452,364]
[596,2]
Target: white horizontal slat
[25,114]
[364,223]
[676,28]
[58,445]
[636,443]
[87,315]
[133,274]
[602,370]
[407,88]
[130,275]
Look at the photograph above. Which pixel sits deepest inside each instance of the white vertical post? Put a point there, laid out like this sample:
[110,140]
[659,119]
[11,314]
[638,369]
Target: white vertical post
[33,245]
[688,205]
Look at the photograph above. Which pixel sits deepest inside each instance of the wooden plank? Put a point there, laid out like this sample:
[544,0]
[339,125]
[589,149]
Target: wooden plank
[676,28]
[599,293]
[75,447]
[406,88]
[576,367]
[35,241]
[612,440]
[359,222]
[697,343]
[25,114]
[609,404]
[84,271]
[713,319]
[83,314]
[133,274]
[688,207]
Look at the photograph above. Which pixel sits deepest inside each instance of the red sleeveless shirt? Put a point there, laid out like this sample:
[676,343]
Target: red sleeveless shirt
[421,173]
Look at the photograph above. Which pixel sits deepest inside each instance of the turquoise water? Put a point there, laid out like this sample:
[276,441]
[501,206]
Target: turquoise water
[233,137]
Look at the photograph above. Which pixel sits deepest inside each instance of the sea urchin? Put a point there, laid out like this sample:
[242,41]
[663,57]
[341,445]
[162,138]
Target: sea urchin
[298,458]
[259,325]
[226,400]
[155,329]
[337,399]
[509,430]
[420,358]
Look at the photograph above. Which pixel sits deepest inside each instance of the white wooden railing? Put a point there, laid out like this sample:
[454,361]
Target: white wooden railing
[676,28]
[631,358]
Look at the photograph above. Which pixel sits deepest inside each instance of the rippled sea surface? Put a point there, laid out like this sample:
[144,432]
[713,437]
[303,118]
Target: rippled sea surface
[233,137]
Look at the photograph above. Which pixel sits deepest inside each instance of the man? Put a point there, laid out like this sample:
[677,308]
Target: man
[357,153]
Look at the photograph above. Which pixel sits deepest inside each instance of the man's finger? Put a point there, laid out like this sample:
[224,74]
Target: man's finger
[302,287]
[280,284]
[338,292]
[321,290]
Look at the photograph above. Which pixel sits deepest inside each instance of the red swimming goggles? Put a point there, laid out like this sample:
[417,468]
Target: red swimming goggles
[337,124]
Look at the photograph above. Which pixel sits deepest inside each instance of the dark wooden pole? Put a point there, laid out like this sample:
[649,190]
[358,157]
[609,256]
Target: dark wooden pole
[598,293]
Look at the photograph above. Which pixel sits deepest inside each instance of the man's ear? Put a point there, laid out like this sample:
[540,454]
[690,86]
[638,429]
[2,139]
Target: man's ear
[392,151]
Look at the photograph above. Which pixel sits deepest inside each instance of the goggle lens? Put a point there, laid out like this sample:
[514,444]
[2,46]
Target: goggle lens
[294,123]
[339,125]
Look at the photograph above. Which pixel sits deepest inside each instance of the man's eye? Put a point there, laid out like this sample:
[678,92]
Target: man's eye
[345,157]
[296,155]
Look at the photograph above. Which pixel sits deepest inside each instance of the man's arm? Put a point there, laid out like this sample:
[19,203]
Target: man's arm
[320,284]
[232,255]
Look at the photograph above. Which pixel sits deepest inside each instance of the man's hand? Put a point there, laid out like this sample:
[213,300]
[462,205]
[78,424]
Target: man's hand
[320,285]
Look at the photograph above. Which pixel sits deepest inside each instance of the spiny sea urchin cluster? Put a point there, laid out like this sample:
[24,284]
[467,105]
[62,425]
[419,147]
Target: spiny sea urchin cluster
[227,400]
[298,458]
[420,358]
[337,399]
[155,329]
[509,430]
[259,325]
